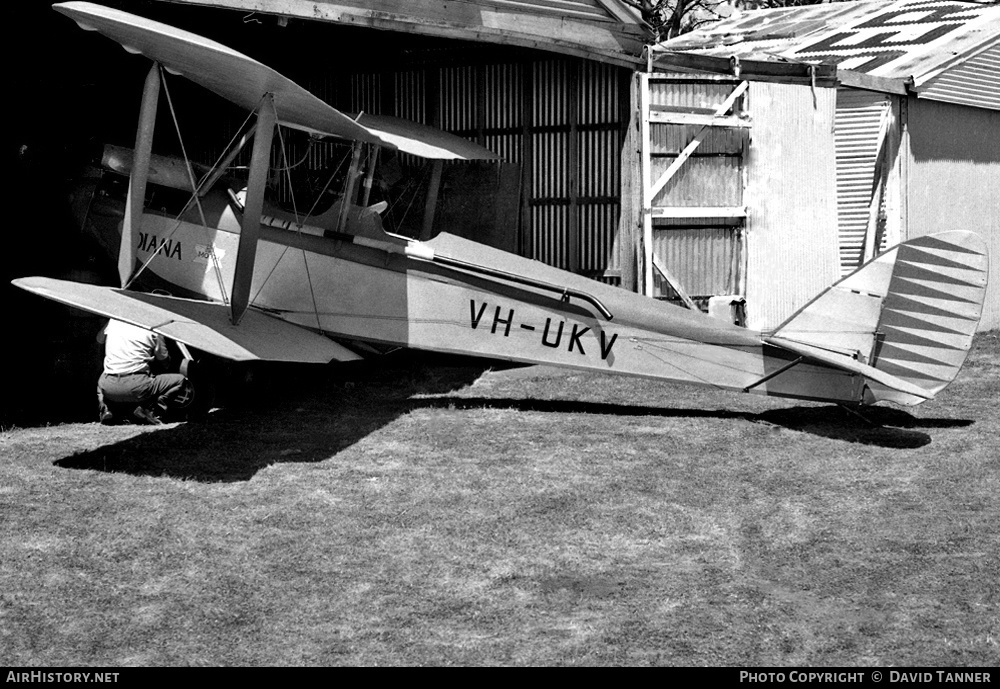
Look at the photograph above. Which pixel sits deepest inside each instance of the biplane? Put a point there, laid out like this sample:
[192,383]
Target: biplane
[248,281]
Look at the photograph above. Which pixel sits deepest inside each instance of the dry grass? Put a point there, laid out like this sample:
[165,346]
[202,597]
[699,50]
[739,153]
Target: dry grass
[426,514]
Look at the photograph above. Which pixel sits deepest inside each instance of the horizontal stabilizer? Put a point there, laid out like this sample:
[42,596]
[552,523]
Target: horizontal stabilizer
[200,324]
[244,81]
[847,364]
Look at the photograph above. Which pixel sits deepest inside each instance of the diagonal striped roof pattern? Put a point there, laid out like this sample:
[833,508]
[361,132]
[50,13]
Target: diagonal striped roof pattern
[944,48]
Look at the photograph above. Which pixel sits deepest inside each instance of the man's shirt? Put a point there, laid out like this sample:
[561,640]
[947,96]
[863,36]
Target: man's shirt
[129,348]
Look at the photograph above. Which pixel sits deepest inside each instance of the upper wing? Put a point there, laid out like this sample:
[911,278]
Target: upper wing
[422,140]
[243,80]
[200,324]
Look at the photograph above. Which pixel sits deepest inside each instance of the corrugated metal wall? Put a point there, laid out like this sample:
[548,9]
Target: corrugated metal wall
[973,82]
[792,200]
[858,121]
[953,169]
[560,119]
[576,134]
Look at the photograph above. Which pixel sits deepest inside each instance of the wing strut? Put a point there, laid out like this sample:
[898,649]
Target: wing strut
[246,254]
[140,172]
[352,178]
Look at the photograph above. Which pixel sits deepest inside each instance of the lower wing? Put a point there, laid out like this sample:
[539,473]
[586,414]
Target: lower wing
[200,324]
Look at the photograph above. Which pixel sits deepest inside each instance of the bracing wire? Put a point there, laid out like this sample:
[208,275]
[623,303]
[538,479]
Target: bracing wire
[298,221]
[196,186]
[329,181]
[298,162]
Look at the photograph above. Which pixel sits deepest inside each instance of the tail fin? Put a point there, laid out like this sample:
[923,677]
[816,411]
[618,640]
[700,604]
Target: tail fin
[910,313]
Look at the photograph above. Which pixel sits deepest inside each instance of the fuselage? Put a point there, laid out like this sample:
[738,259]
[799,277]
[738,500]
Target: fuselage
[363,284]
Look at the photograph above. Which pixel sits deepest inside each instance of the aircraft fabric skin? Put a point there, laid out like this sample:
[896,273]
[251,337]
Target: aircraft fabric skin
[898,329]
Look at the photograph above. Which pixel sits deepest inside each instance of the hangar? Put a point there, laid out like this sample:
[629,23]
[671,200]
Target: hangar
[862,124]
[846,126]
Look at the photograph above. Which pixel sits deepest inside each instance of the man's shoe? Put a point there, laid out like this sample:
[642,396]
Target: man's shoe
[147,417]
[107,418]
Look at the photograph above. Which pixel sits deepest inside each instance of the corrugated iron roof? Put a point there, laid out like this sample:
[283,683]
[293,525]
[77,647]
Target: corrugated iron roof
[910,40]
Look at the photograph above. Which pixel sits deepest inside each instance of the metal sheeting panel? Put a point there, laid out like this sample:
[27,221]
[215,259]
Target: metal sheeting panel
[550,156]
[704,259]
[599,201]
[598,255]
[366,92]
[701,181]
[670,139]
[458,100]
[953,171]
[502,110]
[975,82]
[551,174]
[600,93]
[600,170]
[576,137]
[550,98]
[857,124]
[551,246]
[791,198]
[688,94]
[410,95]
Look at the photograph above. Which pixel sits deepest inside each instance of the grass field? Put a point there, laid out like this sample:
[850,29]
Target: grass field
[428,512]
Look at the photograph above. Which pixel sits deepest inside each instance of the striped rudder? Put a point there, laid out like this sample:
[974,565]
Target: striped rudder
[911,313]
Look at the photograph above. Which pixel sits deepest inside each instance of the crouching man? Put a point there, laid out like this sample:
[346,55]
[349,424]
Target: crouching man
[128,387]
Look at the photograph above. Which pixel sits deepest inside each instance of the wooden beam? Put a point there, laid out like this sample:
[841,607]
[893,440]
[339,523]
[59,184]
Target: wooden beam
[674,283]
[136,197]
[246,253]
[647,177]
[825,75]
[694,119]
[873,235]
[699,212]
[872,83]
[630,216]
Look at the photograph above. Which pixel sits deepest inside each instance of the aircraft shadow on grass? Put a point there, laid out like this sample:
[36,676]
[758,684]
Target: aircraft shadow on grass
[299,420]
[879,426]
